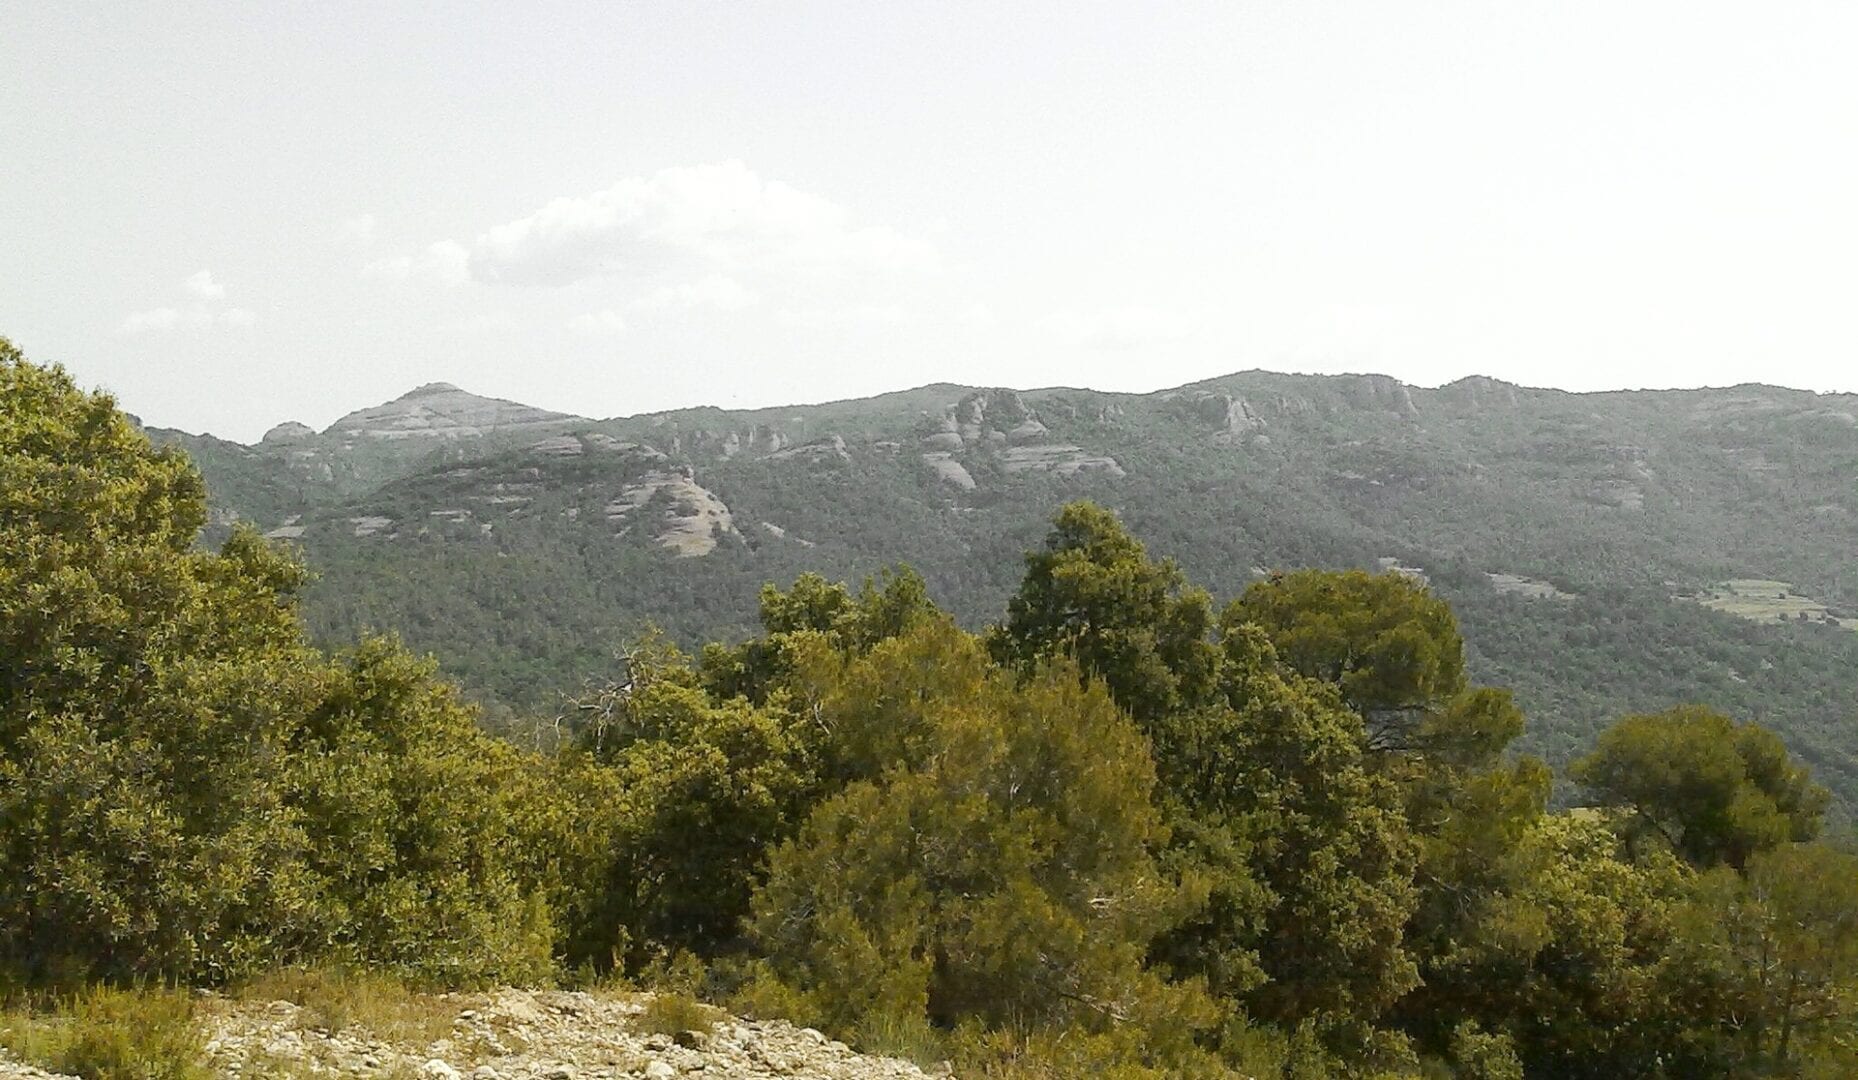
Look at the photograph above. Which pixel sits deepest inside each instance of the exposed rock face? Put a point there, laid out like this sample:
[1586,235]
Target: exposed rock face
[288,432]
[782,534]
[693,518]
[1233,418]
[988,411]
[1528,588]
[949,471]
[1028,431]
[1481,392]
[289,530]
[442,411]
[831,448]
[1626,473]
[559,446]
[760,440]
[974,425]
[1379,392]
[523,1035]
[1060,458]
[1241,419]
[1390,564]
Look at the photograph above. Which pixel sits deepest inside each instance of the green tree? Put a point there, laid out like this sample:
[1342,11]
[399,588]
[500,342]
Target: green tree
[416,853]
[1278,770]
[145,690]
[187,789]
[1383,640]
[814,610]
[1469,809]
[996,869]
[705,788]
[1297,844]
[1565,959]
[1715,791]
[1092,593]
[1779,944]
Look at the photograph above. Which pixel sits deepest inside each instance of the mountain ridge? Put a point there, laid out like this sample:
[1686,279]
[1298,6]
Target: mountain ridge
[1607,552]
[1463,384]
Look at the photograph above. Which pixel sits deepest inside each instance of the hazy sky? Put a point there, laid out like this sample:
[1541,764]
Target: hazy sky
[235,214]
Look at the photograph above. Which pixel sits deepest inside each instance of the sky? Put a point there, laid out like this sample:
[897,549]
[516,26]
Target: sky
[231,215]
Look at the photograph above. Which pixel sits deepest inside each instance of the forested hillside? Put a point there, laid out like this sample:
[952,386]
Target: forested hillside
[1126,830]
[1585,540]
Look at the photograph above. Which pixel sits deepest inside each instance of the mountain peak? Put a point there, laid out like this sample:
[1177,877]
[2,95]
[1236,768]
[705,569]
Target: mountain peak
[290,431]
[442,410]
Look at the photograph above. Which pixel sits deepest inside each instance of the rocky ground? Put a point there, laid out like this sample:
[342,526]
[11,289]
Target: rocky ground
[13,1070]
[517,1035]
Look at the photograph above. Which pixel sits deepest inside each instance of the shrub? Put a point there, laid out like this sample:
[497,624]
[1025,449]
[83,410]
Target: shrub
[110,1034]
[189,791]
[333,998]
[669,1013]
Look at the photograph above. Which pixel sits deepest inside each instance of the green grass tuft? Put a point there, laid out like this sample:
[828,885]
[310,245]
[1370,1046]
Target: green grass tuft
[334,998]
[103,1033]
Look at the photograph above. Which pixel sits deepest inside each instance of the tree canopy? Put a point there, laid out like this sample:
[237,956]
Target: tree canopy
[187,789]
[1714,790]
[1112,835]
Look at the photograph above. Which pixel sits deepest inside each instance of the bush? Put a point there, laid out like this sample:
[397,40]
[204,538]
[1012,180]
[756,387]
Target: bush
[110,1034]
[997,870]
[669,1013]
[333,998]
[188,790]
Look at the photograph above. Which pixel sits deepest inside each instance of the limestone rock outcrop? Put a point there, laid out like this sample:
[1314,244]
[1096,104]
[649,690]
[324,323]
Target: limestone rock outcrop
[1000,423]
[689,519]
[443,411]
[540,1035]
[516,1035]
[287,433]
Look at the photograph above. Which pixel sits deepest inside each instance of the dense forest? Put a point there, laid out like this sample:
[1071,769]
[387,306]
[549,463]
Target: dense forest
[1120,830]
[1586,542]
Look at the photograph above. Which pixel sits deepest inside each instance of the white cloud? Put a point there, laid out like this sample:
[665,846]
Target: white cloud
[488,322]
[443,262]
[201,286]
[723,217]
[604,323]
[843,317]
[1116,329]
[201,314]
[155,319]
[356,232]
[163,320]
[715,291]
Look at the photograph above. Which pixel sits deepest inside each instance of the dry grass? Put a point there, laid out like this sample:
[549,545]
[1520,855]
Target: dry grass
[108,1034]
[671,1013]
[334,998]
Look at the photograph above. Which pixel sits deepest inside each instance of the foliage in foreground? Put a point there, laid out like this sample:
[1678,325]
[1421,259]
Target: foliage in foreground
[1120,834]
[189,791]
